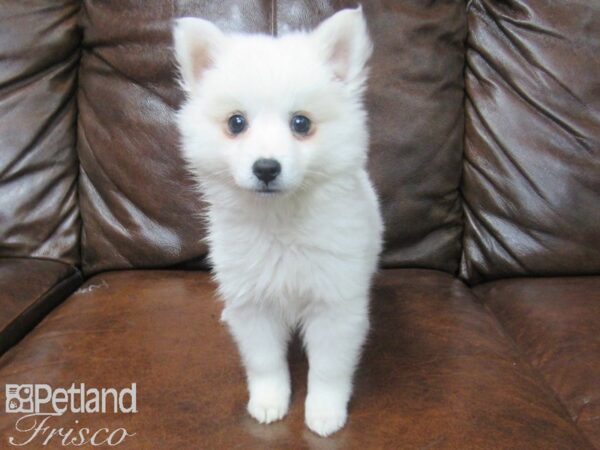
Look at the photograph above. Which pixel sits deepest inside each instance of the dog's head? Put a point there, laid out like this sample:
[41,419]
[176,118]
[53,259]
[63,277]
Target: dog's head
[269,114]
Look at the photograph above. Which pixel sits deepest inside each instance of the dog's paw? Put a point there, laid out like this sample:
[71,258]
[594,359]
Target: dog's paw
[324,415]
[269,401]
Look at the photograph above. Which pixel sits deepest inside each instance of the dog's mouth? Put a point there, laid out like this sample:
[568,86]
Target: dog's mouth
[268,190]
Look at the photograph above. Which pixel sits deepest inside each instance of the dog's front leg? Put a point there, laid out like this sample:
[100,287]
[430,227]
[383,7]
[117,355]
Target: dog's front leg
[262,340]
[333,337]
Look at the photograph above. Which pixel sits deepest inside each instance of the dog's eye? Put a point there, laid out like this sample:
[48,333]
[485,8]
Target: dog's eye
[300,124]
[236,124]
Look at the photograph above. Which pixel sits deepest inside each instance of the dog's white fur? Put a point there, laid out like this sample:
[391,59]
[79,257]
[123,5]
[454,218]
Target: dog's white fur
[304,256]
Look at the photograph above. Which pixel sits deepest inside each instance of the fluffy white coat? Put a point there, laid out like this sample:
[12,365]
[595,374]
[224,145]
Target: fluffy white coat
[302,256]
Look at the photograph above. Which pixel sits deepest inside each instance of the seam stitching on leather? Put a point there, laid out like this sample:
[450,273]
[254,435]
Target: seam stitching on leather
[272,17]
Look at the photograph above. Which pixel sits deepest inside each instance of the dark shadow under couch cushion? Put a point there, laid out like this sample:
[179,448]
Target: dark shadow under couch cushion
[29,289]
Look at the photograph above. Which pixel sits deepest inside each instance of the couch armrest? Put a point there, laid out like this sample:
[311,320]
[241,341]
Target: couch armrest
[29,289]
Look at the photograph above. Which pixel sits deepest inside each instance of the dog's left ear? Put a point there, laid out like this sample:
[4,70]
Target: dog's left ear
[345,41]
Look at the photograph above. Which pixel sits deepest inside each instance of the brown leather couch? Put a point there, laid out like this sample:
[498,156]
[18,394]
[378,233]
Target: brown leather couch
[485,120]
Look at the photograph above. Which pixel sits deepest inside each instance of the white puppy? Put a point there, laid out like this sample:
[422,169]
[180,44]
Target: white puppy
[274,129]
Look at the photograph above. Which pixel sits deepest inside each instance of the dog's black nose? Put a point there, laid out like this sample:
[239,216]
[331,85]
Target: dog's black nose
[266,170]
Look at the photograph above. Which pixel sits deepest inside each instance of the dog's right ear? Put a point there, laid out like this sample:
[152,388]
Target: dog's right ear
[345,41]
[196,43]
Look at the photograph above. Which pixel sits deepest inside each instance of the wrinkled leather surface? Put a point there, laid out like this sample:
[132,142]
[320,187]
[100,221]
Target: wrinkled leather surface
[137,202]
[437,371]
[557,324]
[415,103]
[39,215]
[532,158]
[29,289]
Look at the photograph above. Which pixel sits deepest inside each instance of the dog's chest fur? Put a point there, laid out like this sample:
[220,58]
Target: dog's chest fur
[314,247]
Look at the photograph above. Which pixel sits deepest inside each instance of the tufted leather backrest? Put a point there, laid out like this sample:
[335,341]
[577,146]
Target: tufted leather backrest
[531,130]
[137,202]
[39,53]
[532,159]
[415,103]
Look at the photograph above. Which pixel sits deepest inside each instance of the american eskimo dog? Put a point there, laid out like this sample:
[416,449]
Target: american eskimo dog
[274,130]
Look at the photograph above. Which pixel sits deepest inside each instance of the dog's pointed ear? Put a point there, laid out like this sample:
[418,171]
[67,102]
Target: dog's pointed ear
[196,44]
[345,41]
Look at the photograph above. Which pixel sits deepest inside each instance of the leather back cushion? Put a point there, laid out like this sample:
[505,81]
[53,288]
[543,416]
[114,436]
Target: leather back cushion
[39,51]
[532,157]
[137,202]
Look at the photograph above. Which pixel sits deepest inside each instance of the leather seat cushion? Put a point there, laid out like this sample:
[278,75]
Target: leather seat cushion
[556,321]
[437,370]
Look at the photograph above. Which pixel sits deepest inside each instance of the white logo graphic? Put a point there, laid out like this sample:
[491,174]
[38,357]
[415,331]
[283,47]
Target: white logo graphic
[39,404]
[19,398]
